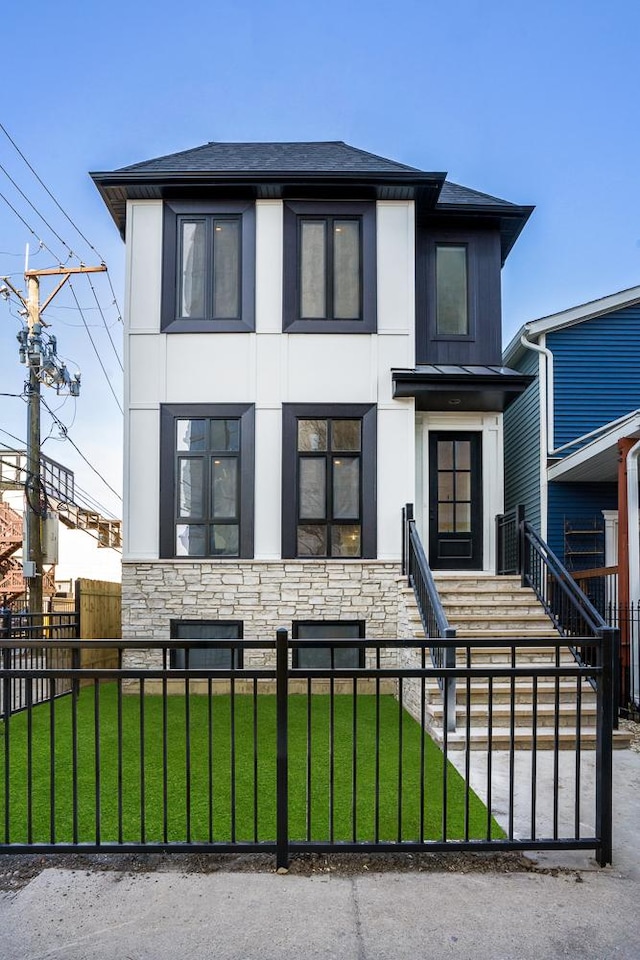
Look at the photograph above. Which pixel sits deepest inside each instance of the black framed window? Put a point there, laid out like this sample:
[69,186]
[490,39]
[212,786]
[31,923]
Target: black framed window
[208,267]
[452,290]
[206,480]
[327,657]
[329,481]
[215,656]
[329,267]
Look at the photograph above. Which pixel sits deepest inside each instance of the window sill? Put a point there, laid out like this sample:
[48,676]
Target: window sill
[329,326]
[208,326]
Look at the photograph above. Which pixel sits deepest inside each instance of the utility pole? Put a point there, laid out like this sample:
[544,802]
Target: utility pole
[44,367]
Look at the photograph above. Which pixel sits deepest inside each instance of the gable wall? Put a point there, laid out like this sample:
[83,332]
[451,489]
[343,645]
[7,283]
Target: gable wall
[596,372]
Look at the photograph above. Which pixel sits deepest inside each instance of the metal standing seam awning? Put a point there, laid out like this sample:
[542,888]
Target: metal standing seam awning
[455,387]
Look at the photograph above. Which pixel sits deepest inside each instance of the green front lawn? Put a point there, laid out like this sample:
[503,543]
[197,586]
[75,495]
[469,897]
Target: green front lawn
[254,763]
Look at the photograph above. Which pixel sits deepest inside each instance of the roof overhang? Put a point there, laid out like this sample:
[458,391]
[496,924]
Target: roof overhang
[596,461]
[118,186]
[460,388]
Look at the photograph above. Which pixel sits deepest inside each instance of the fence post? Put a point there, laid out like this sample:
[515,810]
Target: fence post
[604,747]
[282,738]
[522,548]
[5,633]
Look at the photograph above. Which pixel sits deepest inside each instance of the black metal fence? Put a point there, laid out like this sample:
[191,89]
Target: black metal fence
[290,760]
[25,627]
[432,614]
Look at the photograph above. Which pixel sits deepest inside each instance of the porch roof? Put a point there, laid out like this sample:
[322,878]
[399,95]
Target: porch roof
[455,387]
[596,459]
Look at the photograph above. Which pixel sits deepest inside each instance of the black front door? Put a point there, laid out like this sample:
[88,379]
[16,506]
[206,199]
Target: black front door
[455,501]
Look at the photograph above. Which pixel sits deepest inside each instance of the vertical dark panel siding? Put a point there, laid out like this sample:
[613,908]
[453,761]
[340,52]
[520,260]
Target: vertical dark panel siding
[522,446]
[596,372]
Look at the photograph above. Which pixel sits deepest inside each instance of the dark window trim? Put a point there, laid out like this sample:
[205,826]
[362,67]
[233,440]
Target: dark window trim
[452,238]
[174,212]
[169,413]
[296,624]
[237,655]
[291,412]
[294,211]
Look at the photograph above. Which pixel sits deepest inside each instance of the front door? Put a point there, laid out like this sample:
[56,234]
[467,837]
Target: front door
[455,500]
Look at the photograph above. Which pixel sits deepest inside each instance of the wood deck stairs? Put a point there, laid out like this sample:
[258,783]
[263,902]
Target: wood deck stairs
[485,608]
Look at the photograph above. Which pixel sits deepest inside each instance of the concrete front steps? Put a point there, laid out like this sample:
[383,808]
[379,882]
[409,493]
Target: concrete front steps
[485,608]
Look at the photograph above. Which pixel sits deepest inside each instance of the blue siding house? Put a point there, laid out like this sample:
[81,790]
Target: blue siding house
[566,434]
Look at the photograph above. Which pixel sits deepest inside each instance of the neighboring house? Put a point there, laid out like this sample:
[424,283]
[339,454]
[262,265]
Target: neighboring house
[78,541]
[572,441]
[313,339]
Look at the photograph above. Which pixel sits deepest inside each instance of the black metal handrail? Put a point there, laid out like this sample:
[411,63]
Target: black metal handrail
[434,619]
[508,541]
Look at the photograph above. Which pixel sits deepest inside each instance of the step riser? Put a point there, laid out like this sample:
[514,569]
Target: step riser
[520,723]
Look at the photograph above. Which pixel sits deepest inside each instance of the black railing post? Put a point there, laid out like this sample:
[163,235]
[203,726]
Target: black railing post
[498,535]
[523,557]
[404,541]
[408,517]
[520,538]
[450,699]
[604,746]
[282,738]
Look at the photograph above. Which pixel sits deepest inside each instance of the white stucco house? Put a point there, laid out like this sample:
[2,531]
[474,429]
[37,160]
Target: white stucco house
[313,340]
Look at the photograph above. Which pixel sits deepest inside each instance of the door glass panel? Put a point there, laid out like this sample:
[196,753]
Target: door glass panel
[192,268]
[190,539]
[463,486]
[346,269]
[312,540]
[224,473]
[346,488]
[445,454]
[463,517]
[345,540]
[226,268]
[451,291]
[445,486]
[345,435]
[312,435]
[445,518]
[190,434]
[225,435]
[312,269]
[313,488]
[463,454]
[190,487]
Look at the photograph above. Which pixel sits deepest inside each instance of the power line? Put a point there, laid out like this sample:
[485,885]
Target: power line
[77,449]
[95,349]
[30,229]
[38,214]
[104,322]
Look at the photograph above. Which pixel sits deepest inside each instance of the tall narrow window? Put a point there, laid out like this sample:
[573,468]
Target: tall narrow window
[329,267]
[452,310]
[329,481]
[208,271]
[207,481]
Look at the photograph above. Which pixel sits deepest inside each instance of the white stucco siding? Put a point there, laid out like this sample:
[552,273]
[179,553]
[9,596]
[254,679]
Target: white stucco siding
[267,368]
[142,485]
[144,265]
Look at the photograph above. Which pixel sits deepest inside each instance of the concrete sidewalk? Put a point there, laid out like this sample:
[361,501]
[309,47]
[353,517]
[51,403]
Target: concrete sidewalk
[585,912]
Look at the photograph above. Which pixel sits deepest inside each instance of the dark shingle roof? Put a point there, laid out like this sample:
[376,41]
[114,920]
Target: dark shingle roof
[453,193]
[333,156]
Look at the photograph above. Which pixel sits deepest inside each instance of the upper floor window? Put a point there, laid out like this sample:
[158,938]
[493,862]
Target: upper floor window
[206,481]
[452,292]
[329,468]
[329,267]
[208,267]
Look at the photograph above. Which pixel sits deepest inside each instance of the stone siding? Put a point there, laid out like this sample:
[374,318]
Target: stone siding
[264,595]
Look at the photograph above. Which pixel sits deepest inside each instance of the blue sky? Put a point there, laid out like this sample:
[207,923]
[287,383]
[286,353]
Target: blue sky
[536,103]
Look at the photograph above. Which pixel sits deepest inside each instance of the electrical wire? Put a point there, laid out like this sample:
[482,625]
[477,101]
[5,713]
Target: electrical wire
[38,214]
[30,229]
[95,349]
[104,322]
[77,449]
[62,211]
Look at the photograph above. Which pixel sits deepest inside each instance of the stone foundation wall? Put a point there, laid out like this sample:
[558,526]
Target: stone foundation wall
[264,595]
